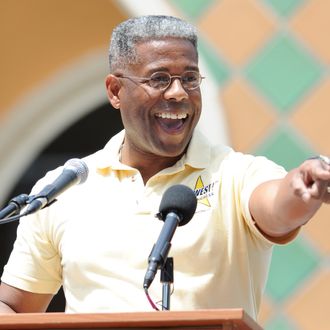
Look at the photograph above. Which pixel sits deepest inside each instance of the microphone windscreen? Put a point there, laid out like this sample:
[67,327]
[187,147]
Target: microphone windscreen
[79,167]
[181,200]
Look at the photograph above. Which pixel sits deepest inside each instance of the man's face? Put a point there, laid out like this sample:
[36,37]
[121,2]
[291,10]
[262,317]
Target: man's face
[157,122]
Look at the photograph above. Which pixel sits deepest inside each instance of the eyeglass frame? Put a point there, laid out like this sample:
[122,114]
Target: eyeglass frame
[144,80]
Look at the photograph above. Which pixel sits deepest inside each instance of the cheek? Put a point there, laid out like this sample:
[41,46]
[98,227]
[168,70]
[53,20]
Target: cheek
[130,117]
[137,98]
[197,104]
[135,114]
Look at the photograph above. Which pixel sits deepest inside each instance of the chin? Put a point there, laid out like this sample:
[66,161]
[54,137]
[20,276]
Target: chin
[171,148]
[172,152]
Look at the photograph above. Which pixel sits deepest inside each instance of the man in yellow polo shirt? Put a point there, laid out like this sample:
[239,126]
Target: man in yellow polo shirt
[95,240]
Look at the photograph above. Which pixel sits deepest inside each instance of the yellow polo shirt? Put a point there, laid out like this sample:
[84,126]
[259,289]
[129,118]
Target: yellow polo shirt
[96,239]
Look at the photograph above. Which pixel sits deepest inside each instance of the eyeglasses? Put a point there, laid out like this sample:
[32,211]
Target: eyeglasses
[190,80]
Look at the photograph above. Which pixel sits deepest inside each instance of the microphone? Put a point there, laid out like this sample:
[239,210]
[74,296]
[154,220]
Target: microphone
[177,207]
[75,171]
[14,207]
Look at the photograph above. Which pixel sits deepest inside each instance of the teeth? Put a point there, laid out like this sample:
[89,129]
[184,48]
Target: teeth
[168,115]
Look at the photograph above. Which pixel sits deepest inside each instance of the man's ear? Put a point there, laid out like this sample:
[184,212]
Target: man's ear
[113,86]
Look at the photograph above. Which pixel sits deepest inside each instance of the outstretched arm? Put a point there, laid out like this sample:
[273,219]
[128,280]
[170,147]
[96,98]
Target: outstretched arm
[281,206]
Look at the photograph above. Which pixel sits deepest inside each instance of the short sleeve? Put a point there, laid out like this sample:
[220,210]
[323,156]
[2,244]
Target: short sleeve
[34,264]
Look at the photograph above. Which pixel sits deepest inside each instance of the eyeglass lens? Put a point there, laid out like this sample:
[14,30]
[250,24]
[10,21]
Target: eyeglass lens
[161,80]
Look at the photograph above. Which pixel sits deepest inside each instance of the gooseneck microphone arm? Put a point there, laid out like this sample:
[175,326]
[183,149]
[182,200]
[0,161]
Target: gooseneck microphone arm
[14,206]
[177,207]
[160,251]
[167,278]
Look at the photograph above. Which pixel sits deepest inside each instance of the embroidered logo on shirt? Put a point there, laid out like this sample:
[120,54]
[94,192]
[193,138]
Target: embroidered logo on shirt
[202,192]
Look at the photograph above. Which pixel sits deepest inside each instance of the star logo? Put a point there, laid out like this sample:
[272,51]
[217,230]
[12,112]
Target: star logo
[201,191]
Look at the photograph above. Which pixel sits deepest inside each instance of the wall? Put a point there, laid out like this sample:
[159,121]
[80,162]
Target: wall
[53,65]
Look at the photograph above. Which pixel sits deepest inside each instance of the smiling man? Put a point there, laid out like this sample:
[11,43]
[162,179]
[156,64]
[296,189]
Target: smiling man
[95,240]
[160,102]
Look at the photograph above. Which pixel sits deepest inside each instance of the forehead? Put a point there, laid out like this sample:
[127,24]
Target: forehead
[166,54]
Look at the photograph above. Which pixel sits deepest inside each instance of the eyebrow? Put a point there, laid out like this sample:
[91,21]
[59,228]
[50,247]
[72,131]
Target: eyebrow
[165,69]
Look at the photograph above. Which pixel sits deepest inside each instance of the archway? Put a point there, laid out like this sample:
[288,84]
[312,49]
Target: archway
[83,137]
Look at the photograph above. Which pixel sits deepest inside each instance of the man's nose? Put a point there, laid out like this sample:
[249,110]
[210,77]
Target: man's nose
[175,91]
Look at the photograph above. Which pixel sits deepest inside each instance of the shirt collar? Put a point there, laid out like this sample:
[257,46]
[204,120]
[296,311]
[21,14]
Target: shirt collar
[110,154]
[198,153]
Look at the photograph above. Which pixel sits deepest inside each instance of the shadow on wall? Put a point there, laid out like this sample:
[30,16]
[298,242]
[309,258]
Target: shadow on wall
[84,137]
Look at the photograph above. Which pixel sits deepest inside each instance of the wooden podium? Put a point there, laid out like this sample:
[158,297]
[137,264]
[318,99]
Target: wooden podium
[224,319]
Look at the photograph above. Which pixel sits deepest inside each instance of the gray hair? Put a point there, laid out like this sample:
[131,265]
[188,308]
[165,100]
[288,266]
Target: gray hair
[129,33]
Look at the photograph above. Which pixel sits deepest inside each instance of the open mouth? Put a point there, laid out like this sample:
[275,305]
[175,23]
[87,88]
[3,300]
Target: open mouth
[171,122]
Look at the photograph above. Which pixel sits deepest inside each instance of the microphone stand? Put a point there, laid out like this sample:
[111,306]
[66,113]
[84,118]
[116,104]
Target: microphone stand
[166,278]
[14,207]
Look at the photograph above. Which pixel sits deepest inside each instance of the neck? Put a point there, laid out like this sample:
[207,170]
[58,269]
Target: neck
[147,164]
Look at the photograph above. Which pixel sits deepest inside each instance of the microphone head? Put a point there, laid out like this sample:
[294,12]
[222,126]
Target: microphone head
[79,167]
[181,200]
